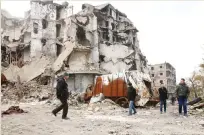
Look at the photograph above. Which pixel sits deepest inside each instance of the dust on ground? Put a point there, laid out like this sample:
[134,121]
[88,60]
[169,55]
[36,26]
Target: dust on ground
[99,120]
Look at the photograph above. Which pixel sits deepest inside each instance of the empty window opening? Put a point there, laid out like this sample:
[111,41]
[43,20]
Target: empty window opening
[6,38]
[111,12]
[113,26]
[107,23]
[161,73]
[35,28]
[105,36]
[58,13]
[152,68]
[43,41]
[59,49]
[58,29]
[152,75]
[44,23]
[101,58]
[81,36]
[133,40]
[161,81]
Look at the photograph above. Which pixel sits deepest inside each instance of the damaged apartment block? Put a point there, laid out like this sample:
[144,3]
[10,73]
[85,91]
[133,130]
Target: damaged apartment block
[97,40]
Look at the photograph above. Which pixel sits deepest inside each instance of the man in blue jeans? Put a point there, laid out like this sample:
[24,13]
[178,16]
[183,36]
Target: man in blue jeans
[182,92]
[163,97]
[131,97]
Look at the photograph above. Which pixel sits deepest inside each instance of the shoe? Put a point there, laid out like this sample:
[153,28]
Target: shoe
[134,113]
[65,118]
[54,113]
[185,115]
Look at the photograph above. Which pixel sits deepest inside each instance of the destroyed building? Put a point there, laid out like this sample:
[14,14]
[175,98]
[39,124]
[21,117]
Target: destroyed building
[164,73]
[97,40]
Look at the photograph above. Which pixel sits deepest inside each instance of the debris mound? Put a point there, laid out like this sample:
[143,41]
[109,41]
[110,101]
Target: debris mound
[27,92]
[13,110]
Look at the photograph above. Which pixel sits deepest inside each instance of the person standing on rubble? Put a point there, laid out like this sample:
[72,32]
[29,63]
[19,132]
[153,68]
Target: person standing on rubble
[182,92]
[163,97]
[131,98]
[62,94]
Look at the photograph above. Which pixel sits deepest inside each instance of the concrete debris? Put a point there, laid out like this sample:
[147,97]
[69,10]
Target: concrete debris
[60,59]
[97,98]
[28,92]
[103,106]
[27,72]
[13,110]
[196,107]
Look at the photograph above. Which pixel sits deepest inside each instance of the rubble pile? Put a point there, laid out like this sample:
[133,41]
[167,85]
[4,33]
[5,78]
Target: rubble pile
[197,107]
[103,106]
[99,103]
[27,92]
[13,109]
[75,98]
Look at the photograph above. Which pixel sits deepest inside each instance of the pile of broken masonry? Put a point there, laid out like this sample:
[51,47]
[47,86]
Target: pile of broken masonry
[196,107]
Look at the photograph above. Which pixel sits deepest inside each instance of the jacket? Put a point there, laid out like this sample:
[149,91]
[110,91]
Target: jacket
[131,93]
[163,93]
[62,90]
[182,90]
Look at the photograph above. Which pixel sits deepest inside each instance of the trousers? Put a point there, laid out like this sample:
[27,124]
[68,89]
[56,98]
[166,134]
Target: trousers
[131,107]
[182,103]
[63,106]
[162,103]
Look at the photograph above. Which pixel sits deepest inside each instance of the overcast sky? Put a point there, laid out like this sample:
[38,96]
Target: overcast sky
[168,31]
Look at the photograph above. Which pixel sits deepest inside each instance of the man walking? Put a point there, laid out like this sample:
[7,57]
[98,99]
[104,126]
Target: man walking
[62,95]
[131,97]
[163,97]
[182,92]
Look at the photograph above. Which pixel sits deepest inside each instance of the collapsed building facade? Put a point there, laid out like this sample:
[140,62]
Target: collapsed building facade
[97,40]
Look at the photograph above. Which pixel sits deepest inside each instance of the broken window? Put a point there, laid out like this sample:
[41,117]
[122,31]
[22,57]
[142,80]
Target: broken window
[105,36]
[58,29]
[161,81]
[110,12]
[161,73]
[44,23]
[59,49]
[152,75]
[133,40]
[43,41]
[152,68]
[58,13]
[113,26]
[6,38]
[35,28]
[101,58]
[107,24]
[81,36]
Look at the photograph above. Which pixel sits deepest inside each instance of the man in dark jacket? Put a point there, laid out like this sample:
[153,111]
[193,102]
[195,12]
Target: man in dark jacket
[182,92]
[163,97]
[131,97]
[62,95]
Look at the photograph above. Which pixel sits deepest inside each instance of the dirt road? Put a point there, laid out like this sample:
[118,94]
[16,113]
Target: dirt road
[39,121]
